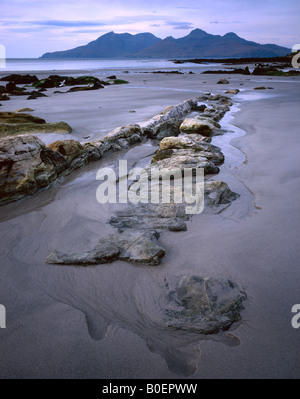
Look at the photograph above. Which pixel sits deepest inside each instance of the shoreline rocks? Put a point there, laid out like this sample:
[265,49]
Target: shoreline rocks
[61,157]
[17,123]
[132,246]
[204,305]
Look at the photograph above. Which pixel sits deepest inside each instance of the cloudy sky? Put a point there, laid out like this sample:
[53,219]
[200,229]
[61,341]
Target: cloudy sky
[29,28]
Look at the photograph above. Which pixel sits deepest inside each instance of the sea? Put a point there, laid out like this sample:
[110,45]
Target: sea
[99,65]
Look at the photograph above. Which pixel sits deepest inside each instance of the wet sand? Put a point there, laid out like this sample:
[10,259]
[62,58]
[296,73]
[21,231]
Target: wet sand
[254,242]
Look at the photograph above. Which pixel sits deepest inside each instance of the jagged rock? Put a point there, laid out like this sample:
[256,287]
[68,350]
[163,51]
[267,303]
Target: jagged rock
[70,149]
[116,140]
[223,81]
[218,193]
[151,217]
[166,128]
[186,152]
[173,114]
[132,246]
[185,158]
[204,305]
[124,132]
[185,141]
[26,165]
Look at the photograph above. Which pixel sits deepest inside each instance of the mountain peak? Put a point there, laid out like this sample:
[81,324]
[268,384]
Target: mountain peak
[197,33]
[231,35]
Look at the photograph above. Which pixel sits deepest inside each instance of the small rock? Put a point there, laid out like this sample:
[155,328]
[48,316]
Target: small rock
[222,81]
[260,88]
[4,97]
[232,91]
[36,94]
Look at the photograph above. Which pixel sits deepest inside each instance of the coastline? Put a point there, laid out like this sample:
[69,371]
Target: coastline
[259,252]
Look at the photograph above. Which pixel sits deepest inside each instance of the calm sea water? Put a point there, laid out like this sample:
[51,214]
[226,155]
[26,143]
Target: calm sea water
[93,65]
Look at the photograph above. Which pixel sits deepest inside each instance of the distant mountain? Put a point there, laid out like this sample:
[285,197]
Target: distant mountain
[110,45]
[197,44]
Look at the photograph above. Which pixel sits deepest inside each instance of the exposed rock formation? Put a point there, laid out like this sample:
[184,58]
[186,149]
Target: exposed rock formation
[186,152]
[133,246]
[204,305]
[13,123]
[26,166]
[198,125]
[61,157]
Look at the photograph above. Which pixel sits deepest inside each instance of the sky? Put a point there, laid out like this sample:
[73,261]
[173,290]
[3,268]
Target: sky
[29,28]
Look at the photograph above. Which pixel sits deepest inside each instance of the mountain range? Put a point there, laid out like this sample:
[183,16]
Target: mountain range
[197,44]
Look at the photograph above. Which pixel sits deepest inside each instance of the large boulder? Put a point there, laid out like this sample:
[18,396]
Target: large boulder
[204,305]
[26,166]
[197,126]
[70,149]
[218,193]
[168,120]
[186,152]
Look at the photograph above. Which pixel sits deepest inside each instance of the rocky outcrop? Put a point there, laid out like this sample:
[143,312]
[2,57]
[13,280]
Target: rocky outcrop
[18,128]
[17,118]
[179,150]
[168,121]
[26,165]
[204,305]
[20,79]
[218,193]
[240,71]
[186,152]
[69,149]
[199,125]
[60,81]
[133,246]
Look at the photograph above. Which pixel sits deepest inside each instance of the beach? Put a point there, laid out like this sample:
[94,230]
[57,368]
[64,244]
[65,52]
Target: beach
[100,321]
